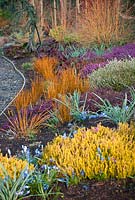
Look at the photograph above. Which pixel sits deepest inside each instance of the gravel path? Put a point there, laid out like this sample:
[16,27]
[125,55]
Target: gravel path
[12,82]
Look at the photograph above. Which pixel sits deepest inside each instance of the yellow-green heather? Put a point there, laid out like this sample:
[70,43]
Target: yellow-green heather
[13,165]
[95,151]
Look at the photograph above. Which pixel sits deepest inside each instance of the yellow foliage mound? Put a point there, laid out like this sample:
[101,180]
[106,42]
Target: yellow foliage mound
[13,166]
[97,152]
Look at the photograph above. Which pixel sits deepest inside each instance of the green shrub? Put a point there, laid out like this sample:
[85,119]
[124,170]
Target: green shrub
[27,65]
[61,35]
[6,14]
[57,33]
[116,75]
[70,37]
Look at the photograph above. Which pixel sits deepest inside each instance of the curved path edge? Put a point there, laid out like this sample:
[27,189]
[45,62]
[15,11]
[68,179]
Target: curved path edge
[24,81]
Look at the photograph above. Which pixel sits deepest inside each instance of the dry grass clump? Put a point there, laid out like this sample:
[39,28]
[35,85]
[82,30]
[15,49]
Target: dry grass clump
[22,100]
[37,89]
[71,81]
[53,88]
[60,84]
[99,152]
[102,23]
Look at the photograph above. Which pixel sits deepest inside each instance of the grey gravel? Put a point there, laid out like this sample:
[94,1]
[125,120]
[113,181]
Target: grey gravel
[11,83]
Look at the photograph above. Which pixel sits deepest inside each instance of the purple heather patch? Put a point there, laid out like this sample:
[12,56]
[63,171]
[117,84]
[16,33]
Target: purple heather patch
[120,52]
[88,69]
[89,55]
[44,106]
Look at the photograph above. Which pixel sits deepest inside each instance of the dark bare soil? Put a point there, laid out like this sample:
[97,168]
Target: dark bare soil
[101,190]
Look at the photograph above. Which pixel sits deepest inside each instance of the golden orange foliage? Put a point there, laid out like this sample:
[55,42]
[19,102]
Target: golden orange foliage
[53,89]
[63,84]
[37,89]
[13,166]
[102,23]
[46,66]
[31,96]
[72,81]
[22,100]
[67,82]
[26,122]
[63,111]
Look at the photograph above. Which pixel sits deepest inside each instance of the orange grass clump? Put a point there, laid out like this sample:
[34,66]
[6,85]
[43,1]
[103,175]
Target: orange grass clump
[53,89]
[31,96]
[102,22]
[63,111]
[72,81]
[46,66]
[26,122]
[66,82]
[37,89]
[22,100]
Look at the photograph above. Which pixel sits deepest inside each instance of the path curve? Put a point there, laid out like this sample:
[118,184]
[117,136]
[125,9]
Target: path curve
[12,82]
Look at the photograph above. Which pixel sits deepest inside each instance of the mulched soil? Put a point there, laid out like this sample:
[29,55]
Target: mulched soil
[86,190]
[101,190]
